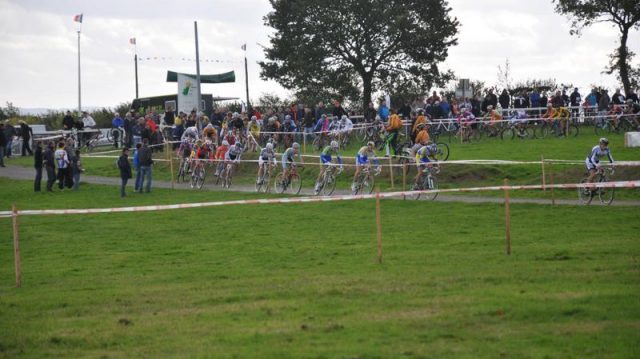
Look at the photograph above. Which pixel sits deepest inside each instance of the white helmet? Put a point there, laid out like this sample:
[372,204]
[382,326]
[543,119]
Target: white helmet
[269,146]
[371,144]
[334,144]
[225,143]
[295,145]
[344,118]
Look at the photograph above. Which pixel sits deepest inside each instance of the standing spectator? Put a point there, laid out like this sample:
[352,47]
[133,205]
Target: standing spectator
[3,143]
[557,101]
[534,99]
[519,101]
[26,132]
[405,111]
[128,128]
[62,160]
[320,110]
[603,104]
[37,164]
[307,122]
[543,99]
[87,120]
[505,100]
[370,113]
[576,100]
[493,99]
[125,170]
[445,108]
[565,98]
[136,165]
[592,99]
[633,97]
[383,111]
[169,116]
[68,122]
[338,111]
[476,105]
[618,98]
[117,123]
[49,165]
[76,169]
[144,156]
[9,132]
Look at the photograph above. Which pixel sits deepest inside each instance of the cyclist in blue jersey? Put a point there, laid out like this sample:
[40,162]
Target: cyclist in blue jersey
[593,159]
[425,157]
[362,160]
[326,160]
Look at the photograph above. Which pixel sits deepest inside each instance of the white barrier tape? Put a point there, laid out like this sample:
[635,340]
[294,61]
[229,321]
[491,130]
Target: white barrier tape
[620,184]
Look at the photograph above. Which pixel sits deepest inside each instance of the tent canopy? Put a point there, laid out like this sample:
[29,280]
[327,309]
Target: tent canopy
[230,76]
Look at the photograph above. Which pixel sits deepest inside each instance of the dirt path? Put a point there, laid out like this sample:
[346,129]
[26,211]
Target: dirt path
[24,173]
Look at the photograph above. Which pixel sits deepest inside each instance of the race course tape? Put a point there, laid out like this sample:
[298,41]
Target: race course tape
[38,212]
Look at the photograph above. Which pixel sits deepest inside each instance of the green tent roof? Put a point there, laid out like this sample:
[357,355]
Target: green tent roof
[205,79]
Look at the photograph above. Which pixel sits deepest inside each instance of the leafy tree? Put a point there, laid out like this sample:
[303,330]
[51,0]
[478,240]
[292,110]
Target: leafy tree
[624,14]
[354,48]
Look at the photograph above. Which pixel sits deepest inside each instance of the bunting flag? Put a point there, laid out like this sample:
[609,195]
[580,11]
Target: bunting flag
[78,18]
[132,41]
[244,47]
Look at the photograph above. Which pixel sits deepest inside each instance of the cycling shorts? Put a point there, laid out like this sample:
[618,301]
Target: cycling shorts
[286,162]
[325,159]
[590,166]
[262,160]
[421,161]
[361,160]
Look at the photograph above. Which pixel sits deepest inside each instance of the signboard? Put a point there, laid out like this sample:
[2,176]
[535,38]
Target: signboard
[187,93]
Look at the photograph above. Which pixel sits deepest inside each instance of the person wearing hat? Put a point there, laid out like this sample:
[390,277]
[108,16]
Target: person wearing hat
[26,132]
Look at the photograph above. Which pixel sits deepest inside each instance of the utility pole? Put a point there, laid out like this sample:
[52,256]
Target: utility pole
[79,83]
[195,26]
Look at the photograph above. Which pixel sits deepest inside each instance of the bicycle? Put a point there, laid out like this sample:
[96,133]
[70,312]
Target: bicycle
[227,175]
[364,182]
[183,169]
[292,183]
[262,184]
[327,183]
[605,126]
[605,195]
[198,175]
[543,128]
[469,133]
[426,182]
[519,130]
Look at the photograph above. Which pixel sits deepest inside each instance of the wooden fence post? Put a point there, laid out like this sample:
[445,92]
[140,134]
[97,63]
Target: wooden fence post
[16,245]
[173,179]
[404,179]
[391,171]
[378,225]
[544,179]
[553,197]
[507,216]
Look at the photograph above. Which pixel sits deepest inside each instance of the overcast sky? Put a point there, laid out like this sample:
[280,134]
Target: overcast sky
[38,47]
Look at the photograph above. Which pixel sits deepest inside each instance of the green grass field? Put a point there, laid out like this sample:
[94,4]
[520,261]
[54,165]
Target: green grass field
[302,281]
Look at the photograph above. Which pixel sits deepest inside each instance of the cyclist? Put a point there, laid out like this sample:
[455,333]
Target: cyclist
[220,154]
[287,128]
[362,160]
[185,149]
[232,156]
[421,119]
[267,155]
[518,120]
[494,117]
[230,137]
[346,126]
[393,129]
[210,133]
[326,160]
[550,115]
[422,138]
[190,132]
[424,156]
[288,158]
[254,131]
[563,115]
[593,159]
[615,115]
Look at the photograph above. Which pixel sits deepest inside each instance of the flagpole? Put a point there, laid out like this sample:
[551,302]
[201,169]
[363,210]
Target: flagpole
[135,59]
[246,79]
[195,26]
[79,83]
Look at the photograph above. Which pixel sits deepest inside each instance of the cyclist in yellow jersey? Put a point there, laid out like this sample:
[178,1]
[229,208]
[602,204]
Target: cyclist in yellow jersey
[563,115]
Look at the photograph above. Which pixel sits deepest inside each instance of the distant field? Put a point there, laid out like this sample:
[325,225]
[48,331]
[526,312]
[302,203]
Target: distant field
[292,281]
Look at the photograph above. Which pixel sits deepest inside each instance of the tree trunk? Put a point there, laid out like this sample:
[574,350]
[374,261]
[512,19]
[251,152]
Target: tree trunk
[367,84]
[623,66]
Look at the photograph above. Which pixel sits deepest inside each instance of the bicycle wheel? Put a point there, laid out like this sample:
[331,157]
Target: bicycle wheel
[295,184]
[601,128]
[508,133]
[442,153]
[329,185]
[526,132]
[110,135]
[585,195]
[605,194]
[474,135]
[573,131]
[194,178]
[367,184]
[200,177]
[228,176]
[181,171]
[541,131]
[279,184]
[431,183]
